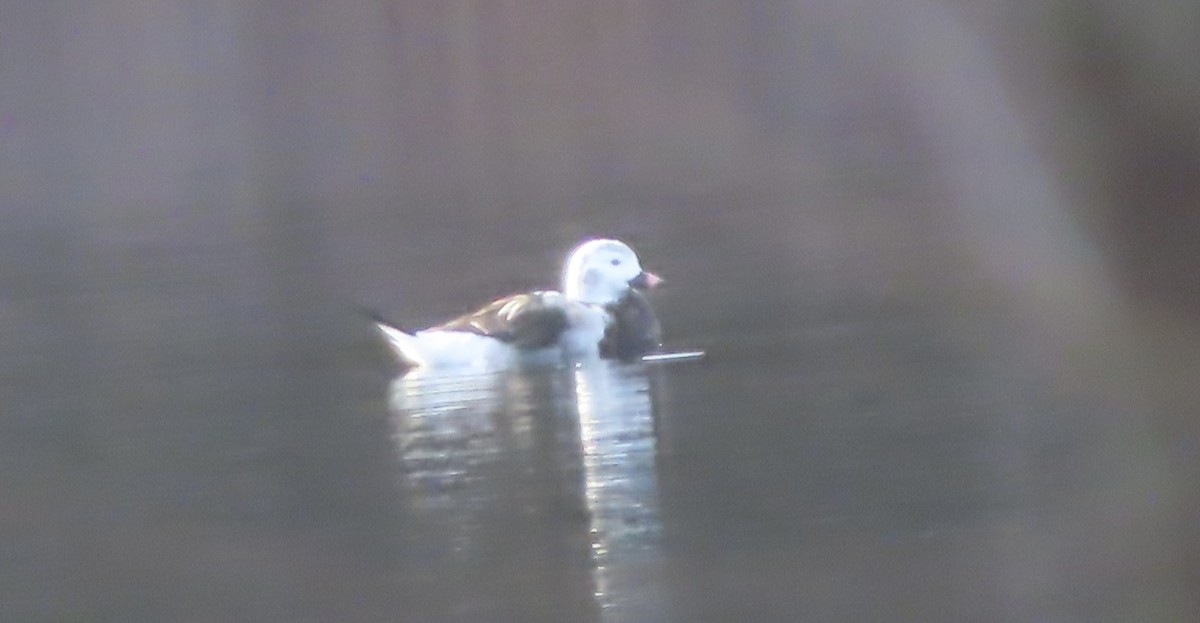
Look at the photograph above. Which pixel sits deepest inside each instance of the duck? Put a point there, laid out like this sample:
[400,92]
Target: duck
[601,312]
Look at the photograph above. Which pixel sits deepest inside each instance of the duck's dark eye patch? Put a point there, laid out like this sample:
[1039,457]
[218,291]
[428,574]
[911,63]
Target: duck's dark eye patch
[616,262]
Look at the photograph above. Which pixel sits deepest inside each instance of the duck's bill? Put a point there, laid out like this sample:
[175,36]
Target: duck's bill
[646,280]
[680,356]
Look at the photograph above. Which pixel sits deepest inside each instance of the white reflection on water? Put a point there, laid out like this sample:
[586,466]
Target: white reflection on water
[616,435]
[468,441]
[444,434]
[442,428]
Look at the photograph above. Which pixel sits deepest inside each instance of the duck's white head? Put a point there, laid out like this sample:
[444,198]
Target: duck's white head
[601,271]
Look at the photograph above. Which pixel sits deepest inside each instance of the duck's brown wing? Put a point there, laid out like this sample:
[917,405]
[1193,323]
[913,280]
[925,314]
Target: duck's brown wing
[528,321]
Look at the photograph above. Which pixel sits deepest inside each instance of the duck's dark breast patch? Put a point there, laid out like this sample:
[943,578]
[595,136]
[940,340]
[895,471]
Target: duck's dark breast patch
[634,330]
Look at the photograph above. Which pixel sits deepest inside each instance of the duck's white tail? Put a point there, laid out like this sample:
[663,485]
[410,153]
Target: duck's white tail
[440,349]
[402,343]
[406,346]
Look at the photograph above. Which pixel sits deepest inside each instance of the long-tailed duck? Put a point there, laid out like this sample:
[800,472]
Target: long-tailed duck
[600,313]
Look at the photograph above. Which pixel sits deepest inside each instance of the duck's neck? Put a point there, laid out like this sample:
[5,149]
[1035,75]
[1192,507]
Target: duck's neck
[591,295]
[579,287]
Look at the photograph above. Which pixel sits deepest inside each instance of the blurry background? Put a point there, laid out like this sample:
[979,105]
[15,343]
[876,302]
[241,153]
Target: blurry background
[921,212]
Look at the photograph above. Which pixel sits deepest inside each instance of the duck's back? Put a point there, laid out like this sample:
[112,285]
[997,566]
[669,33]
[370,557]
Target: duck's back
[525,321]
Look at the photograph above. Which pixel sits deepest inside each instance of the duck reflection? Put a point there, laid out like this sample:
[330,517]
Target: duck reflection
[616,436]
[560,463]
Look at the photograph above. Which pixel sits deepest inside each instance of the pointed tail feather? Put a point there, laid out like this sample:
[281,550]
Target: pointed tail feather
[403,343]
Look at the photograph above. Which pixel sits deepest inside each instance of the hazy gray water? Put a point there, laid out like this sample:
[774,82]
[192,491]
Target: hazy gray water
[828,458]
[938,257]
